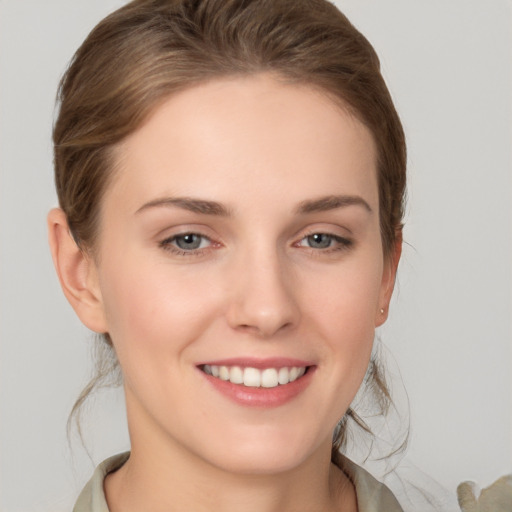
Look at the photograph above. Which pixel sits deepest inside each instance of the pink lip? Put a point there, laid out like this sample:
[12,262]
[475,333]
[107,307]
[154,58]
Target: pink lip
[260,397]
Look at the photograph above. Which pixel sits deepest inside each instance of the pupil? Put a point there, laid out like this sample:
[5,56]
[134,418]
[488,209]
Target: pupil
[189,241]
[319,240]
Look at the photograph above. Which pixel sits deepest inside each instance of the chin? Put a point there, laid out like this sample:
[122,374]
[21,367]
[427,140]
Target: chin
[266,455]
[263,464]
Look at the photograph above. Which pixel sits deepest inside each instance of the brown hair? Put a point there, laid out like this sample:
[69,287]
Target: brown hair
[142,53]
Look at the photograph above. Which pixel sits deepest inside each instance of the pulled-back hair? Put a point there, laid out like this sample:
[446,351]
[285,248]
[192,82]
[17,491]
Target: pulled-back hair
[144,52]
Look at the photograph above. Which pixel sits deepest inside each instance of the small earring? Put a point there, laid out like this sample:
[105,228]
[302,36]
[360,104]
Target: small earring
[381,311]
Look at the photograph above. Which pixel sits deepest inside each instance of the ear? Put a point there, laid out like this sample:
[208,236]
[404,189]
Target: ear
[77,273]
[388,280]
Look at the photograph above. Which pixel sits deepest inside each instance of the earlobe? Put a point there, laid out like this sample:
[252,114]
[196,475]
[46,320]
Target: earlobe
[77,273]
[388,280]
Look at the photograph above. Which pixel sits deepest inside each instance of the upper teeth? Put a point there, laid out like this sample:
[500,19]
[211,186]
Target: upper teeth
[252,377]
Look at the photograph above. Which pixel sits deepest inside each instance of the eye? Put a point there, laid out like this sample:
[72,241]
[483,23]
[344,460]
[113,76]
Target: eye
[186,243]
[325,241]
[319,240]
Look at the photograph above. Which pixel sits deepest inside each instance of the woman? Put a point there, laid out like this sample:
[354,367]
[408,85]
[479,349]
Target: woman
[231,179]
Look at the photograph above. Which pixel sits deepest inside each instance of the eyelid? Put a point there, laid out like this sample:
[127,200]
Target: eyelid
[331,229]
[337,238]
[341,242]
[167,243]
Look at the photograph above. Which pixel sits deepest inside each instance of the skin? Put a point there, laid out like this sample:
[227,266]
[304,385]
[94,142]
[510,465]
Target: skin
[257,286]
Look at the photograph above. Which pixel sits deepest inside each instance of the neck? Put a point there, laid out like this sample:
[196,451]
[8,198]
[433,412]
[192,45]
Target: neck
[162,475]
[167,480]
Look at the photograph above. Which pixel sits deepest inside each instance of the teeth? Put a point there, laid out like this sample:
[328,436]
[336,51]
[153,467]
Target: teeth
[284,376]
[224,373]
[254,378]
[269,378]
[236,375]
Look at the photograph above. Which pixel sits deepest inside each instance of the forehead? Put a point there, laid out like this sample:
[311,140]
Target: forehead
[247,134]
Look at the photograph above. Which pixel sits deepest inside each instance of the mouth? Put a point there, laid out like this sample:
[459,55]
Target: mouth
[260,383]
[254,377]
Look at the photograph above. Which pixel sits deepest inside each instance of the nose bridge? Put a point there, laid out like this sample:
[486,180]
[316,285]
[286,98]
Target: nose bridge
[264,299]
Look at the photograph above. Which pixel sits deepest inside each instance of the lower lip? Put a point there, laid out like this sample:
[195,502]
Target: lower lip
[261,397]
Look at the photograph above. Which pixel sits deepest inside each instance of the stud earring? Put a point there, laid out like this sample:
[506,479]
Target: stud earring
[381,311]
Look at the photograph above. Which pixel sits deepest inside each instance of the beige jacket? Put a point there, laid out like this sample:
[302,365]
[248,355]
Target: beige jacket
[372,496]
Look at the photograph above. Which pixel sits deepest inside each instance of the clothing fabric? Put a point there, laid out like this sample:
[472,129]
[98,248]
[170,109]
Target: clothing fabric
[372,496]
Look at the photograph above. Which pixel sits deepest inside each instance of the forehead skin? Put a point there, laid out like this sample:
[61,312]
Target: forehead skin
[250,133]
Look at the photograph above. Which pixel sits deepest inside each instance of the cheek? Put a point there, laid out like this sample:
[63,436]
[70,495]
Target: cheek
[151,310]
[346,299]
[343,308]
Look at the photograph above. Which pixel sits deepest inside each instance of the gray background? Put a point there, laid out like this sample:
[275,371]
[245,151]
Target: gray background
[448,65]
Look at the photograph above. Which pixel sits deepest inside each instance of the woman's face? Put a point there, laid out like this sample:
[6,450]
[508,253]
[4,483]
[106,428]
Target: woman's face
[240,240]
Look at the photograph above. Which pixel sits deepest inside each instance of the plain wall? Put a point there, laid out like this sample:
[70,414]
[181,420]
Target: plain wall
[448,65]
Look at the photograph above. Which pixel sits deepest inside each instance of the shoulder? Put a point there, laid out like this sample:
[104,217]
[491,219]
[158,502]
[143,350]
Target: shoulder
[372,495]
[92,497]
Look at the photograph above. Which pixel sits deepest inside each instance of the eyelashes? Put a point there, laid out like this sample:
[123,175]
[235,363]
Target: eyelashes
[191,244]
[325,242]
[187,244]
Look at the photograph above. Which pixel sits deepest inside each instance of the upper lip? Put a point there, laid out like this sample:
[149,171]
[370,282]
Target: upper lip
[259,363]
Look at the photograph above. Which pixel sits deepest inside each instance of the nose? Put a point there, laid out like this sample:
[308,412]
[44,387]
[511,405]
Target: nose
[264,296]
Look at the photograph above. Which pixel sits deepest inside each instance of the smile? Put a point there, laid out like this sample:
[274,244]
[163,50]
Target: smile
[254,377]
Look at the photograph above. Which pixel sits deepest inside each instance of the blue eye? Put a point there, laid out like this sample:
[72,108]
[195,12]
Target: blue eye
[185,243]
[325,241]
[190,241]
[319,240]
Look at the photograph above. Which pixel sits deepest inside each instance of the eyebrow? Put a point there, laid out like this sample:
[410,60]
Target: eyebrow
[205,207]
[333,202]
[188,203]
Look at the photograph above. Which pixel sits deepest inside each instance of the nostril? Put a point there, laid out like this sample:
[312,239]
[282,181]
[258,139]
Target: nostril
[263,329]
